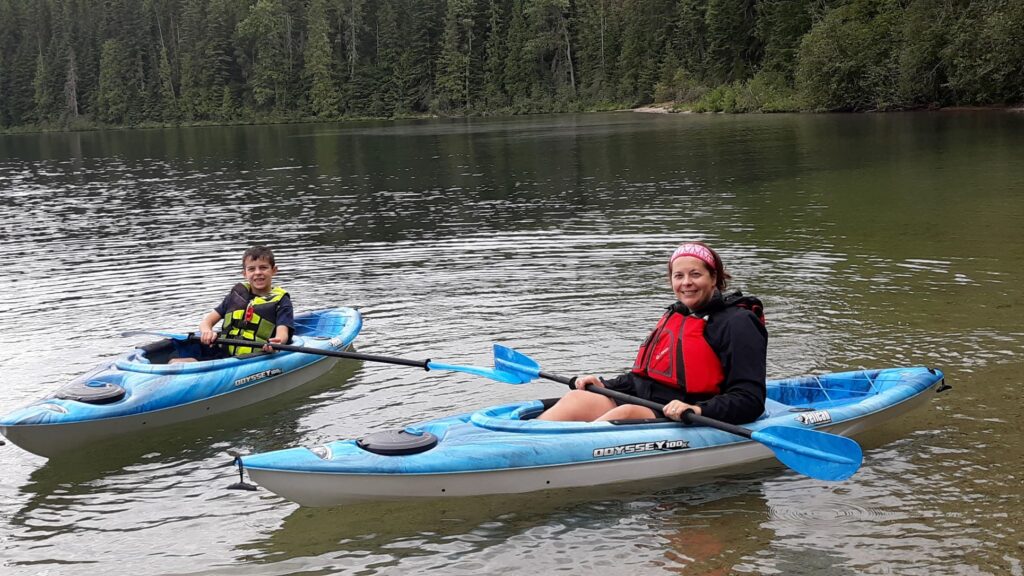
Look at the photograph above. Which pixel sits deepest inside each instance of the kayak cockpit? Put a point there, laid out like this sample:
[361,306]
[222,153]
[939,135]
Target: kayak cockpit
[161,351]
[521,417]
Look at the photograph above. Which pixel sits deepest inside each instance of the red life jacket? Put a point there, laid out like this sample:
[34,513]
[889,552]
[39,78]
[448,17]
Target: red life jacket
[676,353]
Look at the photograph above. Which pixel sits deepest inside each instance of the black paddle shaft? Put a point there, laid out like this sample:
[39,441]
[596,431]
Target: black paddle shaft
[689,417]
[338,353]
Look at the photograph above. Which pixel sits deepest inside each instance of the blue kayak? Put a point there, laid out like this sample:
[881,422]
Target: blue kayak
[140,390]
[504,449]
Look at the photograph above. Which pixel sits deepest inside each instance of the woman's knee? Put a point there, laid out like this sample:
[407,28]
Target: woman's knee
[578,405]
[627,412]
[590,399]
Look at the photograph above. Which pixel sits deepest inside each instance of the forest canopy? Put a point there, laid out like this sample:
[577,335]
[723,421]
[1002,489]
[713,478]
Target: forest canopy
[83,63]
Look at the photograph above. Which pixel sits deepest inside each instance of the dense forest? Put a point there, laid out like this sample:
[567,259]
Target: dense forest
[85,63]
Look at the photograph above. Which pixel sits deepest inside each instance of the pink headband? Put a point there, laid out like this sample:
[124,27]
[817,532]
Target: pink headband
[695,250]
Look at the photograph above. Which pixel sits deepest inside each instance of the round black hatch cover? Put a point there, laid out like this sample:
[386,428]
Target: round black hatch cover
[397,442]
[92,392]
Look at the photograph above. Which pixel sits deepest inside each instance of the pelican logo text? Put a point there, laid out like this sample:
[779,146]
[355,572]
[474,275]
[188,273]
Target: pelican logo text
[641,447]
[813,418]
[258,376]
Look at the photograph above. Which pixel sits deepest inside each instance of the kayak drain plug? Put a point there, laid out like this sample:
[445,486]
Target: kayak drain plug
[241,484]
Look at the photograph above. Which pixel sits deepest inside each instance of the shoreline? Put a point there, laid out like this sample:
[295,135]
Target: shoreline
[669,108]
[656,108]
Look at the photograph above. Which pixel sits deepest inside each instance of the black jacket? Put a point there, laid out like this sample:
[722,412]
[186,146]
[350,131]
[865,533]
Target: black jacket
[740,341]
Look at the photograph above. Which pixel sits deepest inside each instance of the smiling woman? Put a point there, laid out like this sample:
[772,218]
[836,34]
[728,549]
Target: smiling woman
[707,354]
[696,272]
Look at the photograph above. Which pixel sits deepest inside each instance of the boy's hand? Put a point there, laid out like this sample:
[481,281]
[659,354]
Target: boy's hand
[274,340]
[206,334]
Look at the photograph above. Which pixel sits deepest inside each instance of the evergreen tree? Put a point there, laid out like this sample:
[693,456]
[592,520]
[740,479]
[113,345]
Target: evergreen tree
[597,25]
[193,78]
[319,75]
[168,100]
[263,35]
[519,60]
[493,88]
[350,15]
[126,22]
[85,43]
[551,44]
[43,75]
[391,59]
[453,68]
[424,40]
[71,107]
[781,24]
[113,100]
[44,97]
[732,45]
[631,57]
[69,76]
[689,40]
[223,72]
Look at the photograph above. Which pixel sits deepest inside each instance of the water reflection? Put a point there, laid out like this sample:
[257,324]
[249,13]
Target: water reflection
[704,541]
[473,535]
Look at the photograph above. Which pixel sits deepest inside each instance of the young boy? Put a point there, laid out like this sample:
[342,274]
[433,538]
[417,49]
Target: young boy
[253,310]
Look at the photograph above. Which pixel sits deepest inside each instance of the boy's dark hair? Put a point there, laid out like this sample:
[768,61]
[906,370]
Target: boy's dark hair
[258,253]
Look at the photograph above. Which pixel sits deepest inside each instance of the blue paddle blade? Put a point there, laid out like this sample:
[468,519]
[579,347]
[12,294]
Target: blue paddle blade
[816,454]
[511,361]
[494,374]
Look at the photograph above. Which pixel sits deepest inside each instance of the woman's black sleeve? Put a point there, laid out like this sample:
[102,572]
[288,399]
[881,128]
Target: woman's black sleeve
[622,383]
[741,342]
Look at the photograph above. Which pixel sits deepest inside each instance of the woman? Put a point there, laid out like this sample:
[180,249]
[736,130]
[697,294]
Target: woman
[707,354]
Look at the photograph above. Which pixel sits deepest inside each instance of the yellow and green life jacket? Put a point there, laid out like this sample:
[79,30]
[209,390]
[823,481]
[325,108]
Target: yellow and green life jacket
[251,317]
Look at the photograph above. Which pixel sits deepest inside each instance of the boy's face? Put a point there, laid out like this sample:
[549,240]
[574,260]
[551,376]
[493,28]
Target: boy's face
[259,274]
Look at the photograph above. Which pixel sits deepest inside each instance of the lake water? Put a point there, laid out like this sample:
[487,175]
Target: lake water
[874,240]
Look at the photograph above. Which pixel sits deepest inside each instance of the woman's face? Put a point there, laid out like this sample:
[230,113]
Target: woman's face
[692,282]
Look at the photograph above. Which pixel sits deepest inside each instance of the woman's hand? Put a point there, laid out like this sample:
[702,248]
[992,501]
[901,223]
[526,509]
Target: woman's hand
[675,410]
[582,381]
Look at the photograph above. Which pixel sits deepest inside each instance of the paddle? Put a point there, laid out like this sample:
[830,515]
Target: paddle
[811,452]
[493,374]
